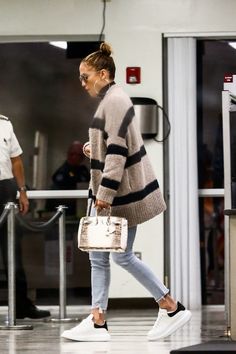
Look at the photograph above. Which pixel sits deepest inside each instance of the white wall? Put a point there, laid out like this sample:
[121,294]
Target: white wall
[134,28]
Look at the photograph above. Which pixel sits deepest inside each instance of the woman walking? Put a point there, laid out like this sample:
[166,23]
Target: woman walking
[121,178]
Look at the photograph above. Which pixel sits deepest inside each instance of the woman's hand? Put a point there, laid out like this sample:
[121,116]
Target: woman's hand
[86,149]
[100,204]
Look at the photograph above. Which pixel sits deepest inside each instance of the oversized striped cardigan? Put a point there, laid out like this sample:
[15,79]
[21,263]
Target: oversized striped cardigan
[121,173]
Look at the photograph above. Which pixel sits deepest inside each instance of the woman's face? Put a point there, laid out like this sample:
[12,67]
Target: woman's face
[91,80]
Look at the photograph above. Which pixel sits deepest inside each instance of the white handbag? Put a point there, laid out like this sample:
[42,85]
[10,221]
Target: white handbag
[103,233]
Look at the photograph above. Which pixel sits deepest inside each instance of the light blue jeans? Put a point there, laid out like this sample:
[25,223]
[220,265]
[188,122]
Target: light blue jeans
[100,273]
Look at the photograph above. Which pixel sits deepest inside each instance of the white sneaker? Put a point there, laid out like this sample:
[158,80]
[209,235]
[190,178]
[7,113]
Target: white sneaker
[168,323]
[88,331]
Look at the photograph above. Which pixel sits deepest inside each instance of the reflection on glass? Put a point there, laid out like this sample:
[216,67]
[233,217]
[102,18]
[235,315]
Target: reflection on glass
[48,108]
[72,174]
[212,248]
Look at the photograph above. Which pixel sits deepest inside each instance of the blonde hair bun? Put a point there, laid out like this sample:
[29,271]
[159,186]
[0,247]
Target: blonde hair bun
[105,48]
[102,59]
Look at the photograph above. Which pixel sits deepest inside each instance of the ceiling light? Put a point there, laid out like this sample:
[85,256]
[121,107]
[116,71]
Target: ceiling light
[59,44]
[232,44]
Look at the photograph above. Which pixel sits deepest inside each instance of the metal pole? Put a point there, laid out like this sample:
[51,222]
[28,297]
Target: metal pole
[11,266]
[227,201]
[62,260]
[11,271]
[62,269]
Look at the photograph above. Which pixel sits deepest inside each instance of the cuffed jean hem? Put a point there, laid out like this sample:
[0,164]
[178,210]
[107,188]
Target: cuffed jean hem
[162,297]
[100,309]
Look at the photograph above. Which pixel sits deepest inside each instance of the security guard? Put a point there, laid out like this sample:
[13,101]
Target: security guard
[71,172]
[12,178]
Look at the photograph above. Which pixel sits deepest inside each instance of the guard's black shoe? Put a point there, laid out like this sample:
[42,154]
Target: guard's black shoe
[31,311]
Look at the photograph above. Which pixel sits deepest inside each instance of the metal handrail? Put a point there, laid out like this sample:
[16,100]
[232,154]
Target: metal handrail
[211,192]
[4,215]
[53,194]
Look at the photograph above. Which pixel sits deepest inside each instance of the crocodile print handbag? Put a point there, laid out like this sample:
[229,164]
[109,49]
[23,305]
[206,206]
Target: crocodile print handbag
[103,233]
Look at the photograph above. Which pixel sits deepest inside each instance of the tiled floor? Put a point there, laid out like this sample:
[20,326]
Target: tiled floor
[128,329]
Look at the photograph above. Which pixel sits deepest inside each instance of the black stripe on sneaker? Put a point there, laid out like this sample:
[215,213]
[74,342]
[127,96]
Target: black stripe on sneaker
[101,326]
[180,307]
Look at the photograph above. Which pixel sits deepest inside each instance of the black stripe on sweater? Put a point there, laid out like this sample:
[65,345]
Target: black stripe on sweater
[98,123]
[136,196]
[110,183]
[135,158]
[114,149]
[97,165]
[126,121]
[131,160]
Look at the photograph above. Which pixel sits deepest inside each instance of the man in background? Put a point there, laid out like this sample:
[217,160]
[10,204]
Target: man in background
[68,175]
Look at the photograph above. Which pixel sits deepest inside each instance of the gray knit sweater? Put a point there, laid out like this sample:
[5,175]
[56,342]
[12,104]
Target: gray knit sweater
[121,173]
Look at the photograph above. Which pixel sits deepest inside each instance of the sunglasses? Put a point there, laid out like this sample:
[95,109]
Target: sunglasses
[84,78]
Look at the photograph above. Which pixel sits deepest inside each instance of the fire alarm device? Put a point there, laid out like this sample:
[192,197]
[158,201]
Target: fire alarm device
[230,83]
[133,75]
[228,78]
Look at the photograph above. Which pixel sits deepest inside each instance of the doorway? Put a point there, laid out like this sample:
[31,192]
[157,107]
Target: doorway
[194,70]
[215,59]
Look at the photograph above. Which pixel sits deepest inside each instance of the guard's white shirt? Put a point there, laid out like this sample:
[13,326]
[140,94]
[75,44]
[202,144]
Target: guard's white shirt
[9,147]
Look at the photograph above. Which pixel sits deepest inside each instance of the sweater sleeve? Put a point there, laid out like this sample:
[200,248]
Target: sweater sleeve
[118,114]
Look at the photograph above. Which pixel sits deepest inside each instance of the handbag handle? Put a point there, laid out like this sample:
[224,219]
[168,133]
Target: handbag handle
[108,216]
[90,208]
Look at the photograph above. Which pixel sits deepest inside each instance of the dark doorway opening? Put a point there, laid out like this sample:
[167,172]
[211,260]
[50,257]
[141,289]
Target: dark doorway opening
[215,58]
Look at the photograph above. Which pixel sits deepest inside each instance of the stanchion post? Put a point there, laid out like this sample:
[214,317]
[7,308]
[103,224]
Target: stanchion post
[11,271]
[62,269]
[11,265]
[62,262]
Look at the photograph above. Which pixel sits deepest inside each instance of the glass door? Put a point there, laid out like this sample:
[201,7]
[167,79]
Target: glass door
[215,58]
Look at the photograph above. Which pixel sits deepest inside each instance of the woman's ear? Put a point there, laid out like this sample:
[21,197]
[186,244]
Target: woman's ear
[104,74]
